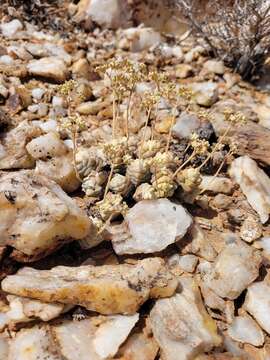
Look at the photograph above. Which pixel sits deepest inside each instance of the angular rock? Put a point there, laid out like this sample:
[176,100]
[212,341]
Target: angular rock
[181,325]
[254,183]
[11,28]
[257,303]
[46,146]
[150,226]
[251,229]
[108,289]
[49,67]
[244,329]
[214,66]
[61,170]
[74,339]
[112,333]
[217,184]
[186,125]
[37,216]
[32,344]
[139,39]
[4,347]
[236,261]
[139,345]
[33,309]
[183,71]
[107,13]
[206,93]
[13,153]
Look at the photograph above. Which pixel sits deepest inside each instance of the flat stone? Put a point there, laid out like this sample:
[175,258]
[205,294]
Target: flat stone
[236,261]
[150,226]
[13,154]
[214,66]
[216,184]
[108,289]
[254,183]
[244,329]
[37,215]
[49,67]
[257,303]
[181,324]
[11,28]
[185,125]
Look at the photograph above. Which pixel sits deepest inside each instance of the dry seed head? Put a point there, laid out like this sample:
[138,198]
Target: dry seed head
[161,160]
[186,93]
[199,146]
[73,123]
[149,100]
[138,171]
[89,159]
[150,148]
[145,192]
[115,150]
[189,179]
[66,88]
[163,183]
[119,184]
[93,184]
[236,118]
[113,204]
[205,115]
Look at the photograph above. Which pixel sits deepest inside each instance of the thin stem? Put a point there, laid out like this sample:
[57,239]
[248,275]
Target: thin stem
[184,164]
[144,130]
[170,131]
[114,117]
[215,147]
[74,152]
[128,112]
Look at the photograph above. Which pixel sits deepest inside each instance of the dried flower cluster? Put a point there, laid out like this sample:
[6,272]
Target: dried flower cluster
[136,165]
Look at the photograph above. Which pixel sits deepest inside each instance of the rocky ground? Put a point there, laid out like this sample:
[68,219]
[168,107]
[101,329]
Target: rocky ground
[134,195]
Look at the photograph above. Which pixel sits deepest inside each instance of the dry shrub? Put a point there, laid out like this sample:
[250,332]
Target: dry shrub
[237,31]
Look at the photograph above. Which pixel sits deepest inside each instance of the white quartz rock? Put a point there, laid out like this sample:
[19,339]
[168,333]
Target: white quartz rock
[186,125]
[215,66]
[32,344]
[206,93]
[254,183]
[257,303]
[181,325]
[49,67]
[23,309]
[61,170]
[150,226]
[244,329]
[239,262]
[216,184]
[36,214]
[37,93]
[13,154]
[11,28]
[46,146]
[108,289]
[112,333]
[106,13]
[4,347]
[139,39]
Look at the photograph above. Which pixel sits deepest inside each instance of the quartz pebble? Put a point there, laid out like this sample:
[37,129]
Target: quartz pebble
[150,226]
[238,261]
[244,329]
[254,183]
[193,332]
